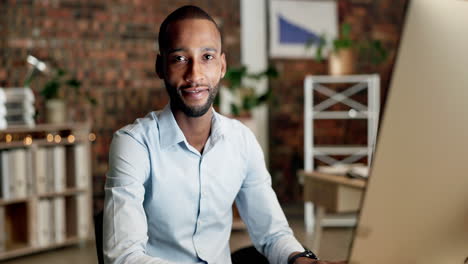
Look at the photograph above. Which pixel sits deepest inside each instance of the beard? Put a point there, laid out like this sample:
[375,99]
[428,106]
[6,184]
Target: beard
[177,101]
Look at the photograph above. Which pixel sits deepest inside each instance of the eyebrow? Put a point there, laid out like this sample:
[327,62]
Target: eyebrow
[184,49]
[210,49]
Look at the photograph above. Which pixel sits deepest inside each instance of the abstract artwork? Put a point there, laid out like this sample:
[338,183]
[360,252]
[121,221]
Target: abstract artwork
[294,23]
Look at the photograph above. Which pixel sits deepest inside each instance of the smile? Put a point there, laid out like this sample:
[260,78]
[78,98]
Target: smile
[194,90]
[195,93]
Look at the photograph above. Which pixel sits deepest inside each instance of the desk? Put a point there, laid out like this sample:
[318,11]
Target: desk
[328,193]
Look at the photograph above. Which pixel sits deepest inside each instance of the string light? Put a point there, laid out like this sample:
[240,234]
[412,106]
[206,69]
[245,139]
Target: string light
[28,140]
[71,138]
[92,137]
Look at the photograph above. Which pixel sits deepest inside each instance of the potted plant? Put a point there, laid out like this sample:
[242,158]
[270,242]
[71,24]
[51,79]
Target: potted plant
[344,51]
[241,86]
[54,95]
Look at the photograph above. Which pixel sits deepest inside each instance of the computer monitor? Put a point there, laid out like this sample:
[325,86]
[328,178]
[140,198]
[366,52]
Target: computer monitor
[415,209]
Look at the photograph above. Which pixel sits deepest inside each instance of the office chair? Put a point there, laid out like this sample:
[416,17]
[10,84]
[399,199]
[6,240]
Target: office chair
[98,222]
[240,256]
[248,255]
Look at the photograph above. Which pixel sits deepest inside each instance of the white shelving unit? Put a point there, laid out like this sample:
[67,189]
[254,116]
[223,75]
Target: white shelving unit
[53,208]
[320,111]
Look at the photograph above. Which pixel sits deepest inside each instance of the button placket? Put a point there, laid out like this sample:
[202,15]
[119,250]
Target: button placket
[197,242]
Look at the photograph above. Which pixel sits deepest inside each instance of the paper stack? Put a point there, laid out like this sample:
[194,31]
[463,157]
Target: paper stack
[16,107]
[355,170]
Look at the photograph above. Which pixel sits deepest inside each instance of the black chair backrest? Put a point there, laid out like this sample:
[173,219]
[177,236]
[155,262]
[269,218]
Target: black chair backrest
[98,222]
[248,255]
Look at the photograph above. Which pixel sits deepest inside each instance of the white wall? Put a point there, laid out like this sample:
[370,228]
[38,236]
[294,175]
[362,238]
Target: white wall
[254,55]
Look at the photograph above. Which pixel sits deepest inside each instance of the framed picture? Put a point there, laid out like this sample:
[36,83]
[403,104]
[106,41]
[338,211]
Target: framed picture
[294,23]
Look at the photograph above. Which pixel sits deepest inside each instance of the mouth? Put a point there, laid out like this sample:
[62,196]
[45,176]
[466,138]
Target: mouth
[195,93]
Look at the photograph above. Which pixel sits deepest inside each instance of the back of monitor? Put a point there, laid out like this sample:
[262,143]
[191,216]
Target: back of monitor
[416,206]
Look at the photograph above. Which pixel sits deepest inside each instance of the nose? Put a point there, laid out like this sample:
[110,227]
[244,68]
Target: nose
[194,74]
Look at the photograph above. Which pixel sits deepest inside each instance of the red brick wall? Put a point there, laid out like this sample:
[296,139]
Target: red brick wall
[379,19]
[109,45]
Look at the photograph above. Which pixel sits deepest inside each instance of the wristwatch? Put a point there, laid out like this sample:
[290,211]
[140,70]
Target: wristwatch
[305,254]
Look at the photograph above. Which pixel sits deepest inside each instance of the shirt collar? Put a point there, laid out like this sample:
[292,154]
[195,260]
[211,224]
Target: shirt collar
[171,134]
[218,127]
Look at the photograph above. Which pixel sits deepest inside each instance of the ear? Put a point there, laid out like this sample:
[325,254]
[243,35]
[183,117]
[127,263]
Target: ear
[223,64]
[159,66]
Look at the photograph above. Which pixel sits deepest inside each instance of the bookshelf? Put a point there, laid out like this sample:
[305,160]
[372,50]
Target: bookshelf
[45,188]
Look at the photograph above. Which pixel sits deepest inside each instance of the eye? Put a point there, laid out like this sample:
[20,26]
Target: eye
[208,57]
[180,58]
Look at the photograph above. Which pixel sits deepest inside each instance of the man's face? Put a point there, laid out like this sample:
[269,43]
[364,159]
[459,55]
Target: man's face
[192,65]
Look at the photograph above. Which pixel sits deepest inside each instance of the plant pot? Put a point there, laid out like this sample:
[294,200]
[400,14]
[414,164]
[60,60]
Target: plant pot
[341,62]
[55,111]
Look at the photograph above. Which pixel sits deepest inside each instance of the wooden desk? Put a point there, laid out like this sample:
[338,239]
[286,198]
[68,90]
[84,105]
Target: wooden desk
[328,193]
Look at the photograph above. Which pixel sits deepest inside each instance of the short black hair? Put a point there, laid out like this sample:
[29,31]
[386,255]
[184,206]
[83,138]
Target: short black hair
[181,13]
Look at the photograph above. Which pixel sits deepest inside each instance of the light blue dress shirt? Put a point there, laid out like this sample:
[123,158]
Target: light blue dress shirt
[167,203]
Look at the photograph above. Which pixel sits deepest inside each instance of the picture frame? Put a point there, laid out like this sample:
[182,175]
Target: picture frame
[294,23]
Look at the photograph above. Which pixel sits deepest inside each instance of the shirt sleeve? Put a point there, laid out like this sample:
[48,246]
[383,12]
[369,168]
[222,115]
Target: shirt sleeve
[261,211]
[125,226]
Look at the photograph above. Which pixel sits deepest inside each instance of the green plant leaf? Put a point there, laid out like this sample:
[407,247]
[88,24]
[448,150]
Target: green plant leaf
[271,72]
[73,83]
[250,102]
[235,110]
[322,42]
[247,96]
[61,72]
[265,97]
[345,31]
[379,53]
[51,89]
[373,51]
[234,76]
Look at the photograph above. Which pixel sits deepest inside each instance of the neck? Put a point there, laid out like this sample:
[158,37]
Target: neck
[196,129]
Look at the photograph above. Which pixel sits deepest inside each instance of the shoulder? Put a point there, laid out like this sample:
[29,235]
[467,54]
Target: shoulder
[235,128]
[142,129]
[239,134]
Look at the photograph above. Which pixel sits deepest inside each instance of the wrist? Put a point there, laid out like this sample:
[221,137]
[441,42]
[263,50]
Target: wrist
[292,255]
[296,255]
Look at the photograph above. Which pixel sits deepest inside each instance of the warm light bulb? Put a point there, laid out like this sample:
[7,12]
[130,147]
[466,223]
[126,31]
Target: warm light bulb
[28,140]
[92,137]
[71,138]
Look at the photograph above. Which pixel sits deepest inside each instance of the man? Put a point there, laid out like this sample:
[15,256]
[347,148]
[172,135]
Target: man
[175,174]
